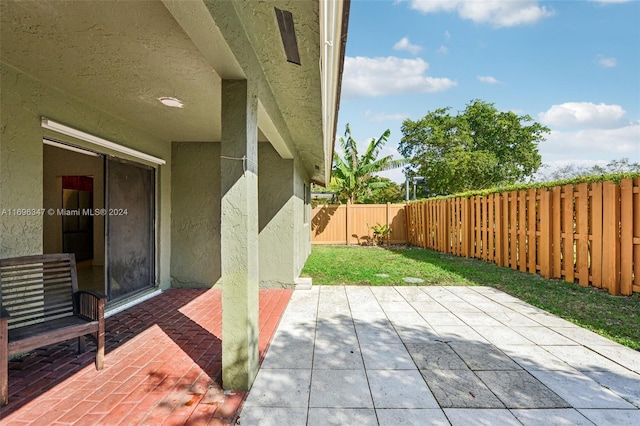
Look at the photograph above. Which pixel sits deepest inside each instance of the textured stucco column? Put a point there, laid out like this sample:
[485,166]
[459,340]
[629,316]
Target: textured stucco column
[239,234]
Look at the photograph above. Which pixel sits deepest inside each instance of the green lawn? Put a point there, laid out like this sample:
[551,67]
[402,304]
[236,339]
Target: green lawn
[617,318]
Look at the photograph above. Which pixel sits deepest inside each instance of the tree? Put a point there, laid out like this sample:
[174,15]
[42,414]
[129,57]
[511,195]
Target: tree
[476,149]
[391,193]
[353,175]
[574,170]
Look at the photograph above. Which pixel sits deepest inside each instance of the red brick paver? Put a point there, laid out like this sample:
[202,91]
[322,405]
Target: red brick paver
[163,366]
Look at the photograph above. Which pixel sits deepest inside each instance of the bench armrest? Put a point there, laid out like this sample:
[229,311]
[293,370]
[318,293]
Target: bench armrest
[90,304]
[4,315]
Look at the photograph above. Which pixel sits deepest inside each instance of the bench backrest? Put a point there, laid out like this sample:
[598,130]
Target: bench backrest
[35,289]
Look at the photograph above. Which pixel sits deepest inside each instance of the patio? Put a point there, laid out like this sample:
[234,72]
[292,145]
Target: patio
[340,355]
[162,366]
[437,356]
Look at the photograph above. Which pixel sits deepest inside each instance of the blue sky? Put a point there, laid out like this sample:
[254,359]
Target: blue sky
[572,65]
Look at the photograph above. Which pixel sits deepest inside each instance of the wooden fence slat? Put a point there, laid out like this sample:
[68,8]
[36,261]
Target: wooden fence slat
[596,234]
[532,214]
[611,238]
[505,230]
[626,237]
[546,234]
[499,259]
[491,257]
[556,231]
[636,235]
[582,228]
[513,227]
[522,231]
[567,230]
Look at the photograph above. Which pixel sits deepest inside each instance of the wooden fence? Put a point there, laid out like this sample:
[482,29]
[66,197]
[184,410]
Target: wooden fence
[587,233]
[351,223]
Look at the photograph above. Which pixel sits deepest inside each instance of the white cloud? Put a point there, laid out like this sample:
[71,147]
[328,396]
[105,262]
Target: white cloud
[378,117]
[487,79]
[405,44]
[606,62]
[610,1]
[591,145]
[583,114]
[370,77]
[442,49]
[499,13]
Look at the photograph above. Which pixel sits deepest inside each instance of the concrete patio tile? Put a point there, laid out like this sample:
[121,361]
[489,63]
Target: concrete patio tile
[273,416]
[441,293]
[579,390]
[492,307]
[412,416]
[435,356]
[295,335]
[523,308]
[535,358]
[623,355]
[456,307]
[584,359]
[417,334]
[613,417]
[543,336]
[380,355]
[340,389]
[280,388]
[484,357]
[549,320]
[411,318]
[627,385]
[583,336]
[455,333]
[400,389]
[519,389]
[337,356]
[470,417]
[428,306]
[387,294]
[394,306]
[460,389]
[502,335]
[283,354]
[340,417]
[414,294]
[442,318]
[373,334]
[551,417]
[474,319]
[514,319]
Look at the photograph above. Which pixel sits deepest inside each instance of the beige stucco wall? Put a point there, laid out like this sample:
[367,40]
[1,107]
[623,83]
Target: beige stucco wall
[284,242]
[195,223]
[23,101]
[281,188]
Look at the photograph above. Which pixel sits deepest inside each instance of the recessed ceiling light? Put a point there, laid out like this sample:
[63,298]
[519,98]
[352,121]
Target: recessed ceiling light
[171,102]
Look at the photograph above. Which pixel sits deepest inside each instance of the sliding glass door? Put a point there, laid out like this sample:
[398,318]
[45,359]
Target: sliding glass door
[130,215]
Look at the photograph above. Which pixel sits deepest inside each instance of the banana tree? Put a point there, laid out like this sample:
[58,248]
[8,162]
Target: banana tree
[353,173]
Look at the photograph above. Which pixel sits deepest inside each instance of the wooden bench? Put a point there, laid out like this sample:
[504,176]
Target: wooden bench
[40,305]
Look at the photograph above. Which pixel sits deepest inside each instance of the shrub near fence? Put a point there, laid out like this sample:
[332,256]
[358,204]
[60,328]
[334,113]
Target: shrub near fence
[585,233]
[350,223]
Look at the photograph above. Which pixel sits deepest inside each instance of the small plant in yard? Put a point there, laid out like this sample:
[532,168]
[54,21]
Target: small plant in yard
[381,233]
[615,317]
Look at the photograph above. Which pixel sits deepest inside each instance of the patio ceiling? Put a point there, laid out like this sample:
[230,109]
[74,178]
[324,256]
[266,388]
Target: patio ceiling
[122,56]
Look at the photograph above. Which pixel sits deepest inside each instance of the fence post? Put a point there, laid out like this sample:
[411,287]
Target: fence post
[626,237]
[611,238]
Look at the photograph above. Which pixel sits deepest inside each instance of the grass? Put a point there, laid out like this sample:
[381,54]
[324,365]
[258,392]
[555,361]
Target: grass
[615,317]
